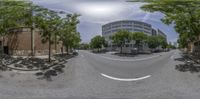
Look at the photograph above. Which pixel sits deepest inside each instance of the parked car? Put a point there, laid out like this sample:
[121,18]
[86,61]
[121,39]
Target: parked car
[75,52]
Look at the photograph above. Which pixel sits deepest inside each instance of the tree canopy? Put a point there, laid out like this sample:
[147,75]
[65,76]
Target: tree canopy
[156,41]
[121,37]
[138,37]
[97,42]
[184,14]
[16,13]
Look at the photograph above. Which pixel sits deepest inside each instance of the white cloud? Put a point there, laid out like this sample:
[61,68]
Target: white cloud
[98,11]
[94,13]
[146,17]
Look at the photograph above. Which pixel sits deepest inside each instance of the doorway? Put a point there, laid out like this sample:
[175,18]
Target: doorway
[6,50]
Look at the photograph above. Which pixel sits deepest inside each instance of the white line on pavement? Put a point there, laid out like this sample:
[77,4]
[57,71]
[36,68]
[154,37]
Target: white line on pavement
[126,60]
[121,79]
[141,59]
[25,72]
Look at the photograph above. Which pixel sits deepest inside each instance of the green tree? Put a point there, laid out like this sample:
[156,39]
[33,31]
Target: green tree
[69,35]
[139,37]
[20,13]
[121,37]
[156,41]
[183,39]
[162,41]
[97,42]
[184,14]
[47,22]
[171,46]
[84,46]
[153,42]
[12,15]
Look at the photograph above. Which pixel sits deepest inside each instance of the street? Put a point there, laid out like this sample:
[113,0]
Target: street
[99,76]
[99,49]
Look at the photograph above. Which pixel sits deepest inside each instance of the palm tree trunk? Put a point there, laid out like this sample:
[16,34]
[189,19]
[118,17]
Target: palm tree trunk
[55,45]
[62,48]
[70,49]
[2,45]
[32,42]
[49,47]
[67,49]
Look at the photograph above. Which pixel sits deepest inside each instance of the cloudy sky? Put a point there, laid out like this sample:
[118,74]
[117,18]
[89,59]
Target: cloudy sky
[95,13]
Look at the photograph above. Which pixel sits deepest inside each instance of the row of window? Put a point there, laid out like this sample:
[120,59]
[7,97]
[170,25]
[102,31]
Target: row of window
[128,29]
[129,23]
[132,26]
[125,25]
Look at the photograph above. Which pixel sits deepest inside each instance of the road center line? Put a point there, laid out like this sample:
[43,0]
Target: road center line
[121,79]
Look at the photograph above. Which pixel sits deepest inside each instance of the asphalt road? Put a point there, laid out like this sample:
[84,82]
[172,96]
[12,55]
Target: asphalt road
[98,76]
[127,68]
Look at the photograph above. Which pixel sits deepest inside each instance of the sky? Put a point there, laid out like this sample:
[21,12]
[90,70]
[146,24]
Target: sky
[95,13]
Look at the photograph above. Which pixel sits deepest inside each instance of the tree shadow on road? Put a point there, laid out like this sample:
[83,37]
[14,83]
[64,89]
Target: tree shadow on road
[125,54]
[44,69]
[188,67]
[190,64]
[48,74]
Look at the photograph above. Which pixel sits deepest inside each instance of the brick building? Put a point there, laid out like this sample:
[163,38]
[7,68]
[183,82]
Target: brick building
[18,42]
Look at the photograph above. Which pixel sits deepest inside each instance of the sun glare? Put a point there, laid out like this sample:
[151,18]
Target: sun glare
[98,10]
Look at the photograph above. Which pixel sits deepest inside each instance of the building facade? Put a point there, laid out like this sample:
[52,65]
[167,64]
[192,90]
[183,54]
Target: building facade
[18,43]
[160,33]
[131,26]
[154,32]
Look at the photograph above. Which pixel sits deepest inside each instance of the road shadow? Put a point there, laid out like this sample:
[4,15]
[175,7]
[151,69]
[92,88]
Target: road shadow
[188,67]
[131,55]
[124,54]
[99,52]
[190,64]
[48,74]
[44,70]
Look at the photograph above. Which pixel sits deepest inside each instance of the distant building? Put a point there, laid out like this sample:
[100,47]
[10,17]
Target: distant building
[18,42]
[160,33]
[130,25]
[175,44]
[154,32]
[110,29]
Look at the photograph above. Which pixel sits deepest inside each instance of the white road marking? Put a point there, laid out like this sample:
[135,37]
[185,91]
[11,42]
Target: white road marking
[126,60]
[25,72]
[141,59]
[121,79]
